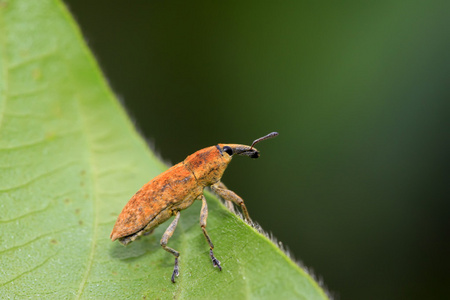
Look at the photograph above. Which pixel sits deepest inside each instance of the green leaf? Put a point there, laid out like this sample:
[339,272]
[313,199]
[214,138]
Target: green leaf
[69,161]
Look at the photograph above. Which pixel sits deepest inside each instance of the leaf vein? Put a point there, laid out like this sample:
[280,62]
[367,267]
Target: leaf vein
[32,59]
[36,211]
[35,239]
[30,213]
[30,270]
[29,92]
[38,142]
[38,177]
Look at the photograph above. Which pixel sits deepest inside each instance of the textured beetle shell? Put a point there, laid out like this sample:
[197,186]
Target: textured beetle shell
[163,191]
[175,190]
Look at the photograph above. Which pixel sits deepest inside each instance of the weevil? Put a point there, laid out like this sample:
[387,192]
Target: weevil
[176,189]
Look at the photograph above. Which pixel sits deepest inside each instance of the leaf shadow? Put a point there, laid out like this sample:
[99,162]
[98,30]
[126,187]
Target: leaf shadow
[135,250]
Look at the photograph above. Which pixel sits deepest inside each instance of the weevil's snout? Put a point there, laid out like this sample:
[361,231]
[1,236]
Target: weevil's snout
[232,149]
[247,151]
[255,154]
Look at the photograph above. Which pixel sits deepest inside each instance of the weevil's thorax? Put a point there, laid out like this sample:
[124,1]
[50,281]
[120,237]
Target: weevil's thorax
[208,164]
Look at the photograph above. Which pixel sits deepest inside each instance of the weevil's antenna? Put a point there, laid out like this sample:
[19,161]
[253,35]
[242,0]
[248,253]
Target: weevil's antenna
[269,136]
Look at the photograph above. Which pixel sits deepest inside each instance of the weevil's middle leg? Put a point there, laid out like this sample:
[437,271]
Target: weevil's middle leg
[203,217]
[165,239]
[220,189]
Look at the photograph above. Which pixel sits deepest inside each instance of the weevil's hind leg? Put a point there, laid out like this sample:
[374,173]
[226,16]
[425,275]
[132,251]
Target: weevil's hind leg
[165,239]
[228,195]
[203,217]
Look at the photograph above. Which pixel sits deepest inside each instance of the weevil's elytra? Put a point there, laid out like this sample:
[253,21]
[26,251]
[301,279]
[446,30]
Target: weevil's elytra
[176,189]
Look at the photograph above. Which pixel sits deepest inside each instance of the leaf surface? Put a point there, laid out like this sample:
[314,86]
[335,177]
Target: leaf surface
[69,161]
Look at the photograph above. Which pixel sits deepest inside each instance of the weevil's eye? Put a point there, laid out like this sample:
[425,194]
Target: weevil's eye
[228,150]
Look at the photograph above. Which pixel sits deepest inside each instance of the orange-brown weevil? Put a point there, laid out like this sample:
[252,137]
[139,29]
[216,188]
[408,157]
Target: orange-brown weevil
[176,189]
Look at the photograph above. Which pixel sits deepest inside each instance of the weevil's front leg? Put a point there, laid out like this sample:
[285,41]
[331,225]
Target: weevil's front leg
[203,217]
[165,238]
[228,203]
[220,189]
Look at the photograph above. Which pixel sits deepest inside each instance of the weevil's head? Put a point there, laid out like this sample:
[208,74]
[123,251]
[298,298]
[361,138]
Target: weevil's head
[209,164]
[235,149]
[250,151]
[228,150]
[245,150]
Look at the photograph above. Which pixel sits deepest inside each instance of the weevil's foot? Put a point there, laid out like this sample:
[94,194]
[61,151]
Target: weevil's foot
[176,270]
[216,262]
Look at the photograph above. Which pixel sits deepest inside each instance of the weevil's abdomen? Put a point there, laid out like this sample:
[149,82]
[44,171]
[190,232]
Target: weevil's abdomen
[166,192]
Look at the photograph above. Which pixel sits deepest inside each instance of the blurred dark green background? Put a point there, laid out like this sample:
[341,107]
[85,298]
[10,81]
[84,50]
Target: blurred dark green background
[356,185]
